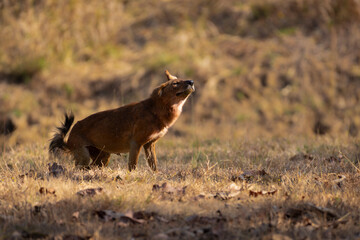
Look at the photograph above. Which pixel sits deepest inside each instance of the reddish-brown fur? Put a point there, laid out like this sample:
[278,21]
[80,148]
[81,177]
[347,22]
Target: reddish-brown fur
[125,129]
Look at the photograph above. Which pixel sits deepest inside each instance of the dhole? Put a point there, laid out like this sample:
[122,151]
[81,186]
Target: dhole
[125,129]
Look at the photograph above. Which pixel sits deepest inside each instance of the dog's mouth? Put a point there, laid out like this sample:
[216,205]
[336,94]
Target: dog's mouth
[187,91]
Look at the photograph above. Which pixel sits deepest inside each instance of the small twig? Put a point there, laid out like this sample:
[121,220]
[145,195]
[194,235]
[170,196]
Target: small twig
[208,167]
[350,161]
[344,218]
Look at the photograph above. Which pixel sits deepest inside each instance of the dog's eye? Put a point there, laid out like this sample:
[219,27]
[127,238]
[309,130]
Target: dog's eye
[175,84]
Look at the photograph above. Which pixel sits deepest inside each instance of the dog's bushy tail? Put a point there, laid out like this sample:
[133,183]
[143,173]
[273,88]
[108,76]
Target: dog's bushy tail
[57,142]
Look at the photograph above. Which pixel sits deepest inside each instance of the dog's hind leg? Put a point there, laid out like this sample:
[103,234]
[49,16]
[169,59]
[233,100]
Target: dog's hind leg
[99,157]
[81,156]
[104,159]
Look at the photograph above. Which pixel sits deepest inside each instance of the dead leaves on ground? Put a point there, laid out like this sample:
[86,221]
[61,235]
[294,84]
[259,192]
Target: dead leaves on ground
[47,191]
[226,195]
[89,192]
[56,170]
[122,220]
[331,181]
[129,218]
[261,193]
[251,176]
[310,214]
[168,192]
[233,190]
[32,174]
[339,158]
[196,225]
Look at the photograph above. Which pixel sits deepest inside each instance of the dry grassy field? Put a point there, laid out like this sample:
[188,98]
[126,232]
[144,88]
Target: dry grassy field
[275,189]
[268,147]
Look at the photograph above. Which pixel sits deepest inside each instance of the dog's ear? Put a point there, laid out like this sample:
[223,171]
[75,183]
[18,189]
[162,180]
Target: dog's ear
[169,76]
[158,91]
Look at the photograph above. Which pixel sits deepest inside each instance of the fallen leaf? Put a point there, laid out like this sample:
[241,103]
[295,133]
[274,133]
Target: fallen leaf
[149,216]
[75,216]
[167,188]
[107,215]
[342,220]
[169,192]
[226,195]
[261,193]
[46,191]
[124,220]
[234,187]
[204,196]
[129,218]
[248,175]
[89,192]
[56,170]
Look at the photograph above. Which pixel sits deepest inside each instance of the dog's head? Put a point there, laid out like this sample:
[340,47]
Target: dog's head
[174,90]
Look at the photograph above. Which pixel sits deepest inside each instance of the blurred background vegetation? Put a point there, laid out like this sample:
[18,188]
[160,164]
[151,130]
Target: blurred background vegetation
[267,68]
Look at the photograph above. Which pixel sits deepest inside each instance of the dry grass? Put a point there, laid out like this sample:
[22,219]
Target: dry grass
[273,67]
[310,201]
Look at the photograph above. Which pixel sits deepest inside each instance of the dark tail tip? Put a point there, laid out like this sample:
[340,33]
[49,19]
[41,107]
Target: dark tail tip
[57,142]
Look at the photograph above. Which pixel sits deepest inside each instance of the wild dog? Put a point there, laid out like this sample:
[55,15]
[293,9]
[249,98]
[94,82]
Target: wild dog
[124,129]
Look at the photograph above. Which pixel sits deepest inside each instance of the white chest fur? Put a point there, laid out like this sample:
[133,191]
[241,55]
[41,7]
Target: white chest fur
[178,109]
[180,105]
[158,134]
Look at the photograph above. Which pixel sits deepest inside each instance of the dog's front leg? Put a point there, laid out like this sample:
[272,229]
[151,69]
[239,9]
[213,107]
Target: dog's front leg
[134,154]
[150,154]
